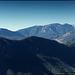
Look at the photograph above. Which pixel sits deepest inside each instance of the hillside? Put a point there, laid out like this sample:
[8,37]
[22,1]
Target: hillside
[36,55]
[67,38]
[10,34]
[51,31]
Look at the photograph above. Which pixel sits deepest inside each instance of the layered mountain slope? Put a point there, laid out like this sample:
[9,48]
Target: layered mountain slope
[36,55]
[10,34]
[50,31]
[67,38]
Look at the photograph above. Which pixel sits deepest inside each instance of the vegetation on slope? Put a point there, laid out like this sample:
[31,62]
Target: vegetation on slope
[36,55]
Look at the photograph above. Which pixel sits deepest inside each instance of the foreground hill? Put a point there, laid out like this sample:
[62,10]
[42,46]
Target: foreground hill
[36,55]
[50,31]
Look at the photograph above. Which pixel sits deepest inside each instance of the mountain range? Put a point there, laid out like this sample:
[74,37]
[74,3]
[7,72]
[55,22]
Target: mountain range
[36,55]
[35,50]
[51,31]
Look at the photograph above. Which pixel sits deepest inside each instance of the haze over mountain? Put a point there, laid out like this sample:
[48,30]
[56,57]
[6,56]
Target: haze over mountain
[36,55]
[19,14]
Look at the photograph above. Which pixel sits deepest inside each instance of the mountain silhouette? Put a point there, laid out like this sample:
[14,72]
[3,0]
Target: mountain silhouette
[36,55]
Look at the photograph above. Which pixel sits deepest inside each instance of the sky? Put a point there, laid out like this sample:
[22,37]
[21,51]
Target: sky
[15,15]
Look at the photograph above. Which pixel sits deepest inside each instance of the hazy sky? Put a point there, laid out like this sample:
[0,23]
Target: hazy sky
[16,15]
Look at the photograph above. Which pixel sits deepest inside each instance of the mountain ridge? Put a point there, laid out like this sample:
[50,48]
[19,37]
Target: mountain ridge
[50,31]
[36,55]
[10,34]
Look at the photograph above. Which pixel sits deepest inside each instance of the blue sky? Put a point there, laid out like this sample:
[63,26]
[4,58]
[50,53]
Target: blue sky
[16,15]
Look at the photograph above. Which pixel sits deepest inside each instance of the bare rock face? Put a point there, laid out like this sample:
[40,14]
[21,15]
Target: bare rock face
[51,31]
[67,38]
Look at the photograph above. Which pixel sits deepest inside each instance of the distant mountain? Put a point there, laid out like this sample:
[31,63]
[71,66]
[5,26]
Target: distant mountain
[67,38]
[36,55]
[10,34]
[51,31]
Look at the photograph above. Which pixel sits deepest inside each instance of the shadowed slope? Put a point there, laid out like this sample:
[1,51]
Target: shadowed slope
[33,55]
